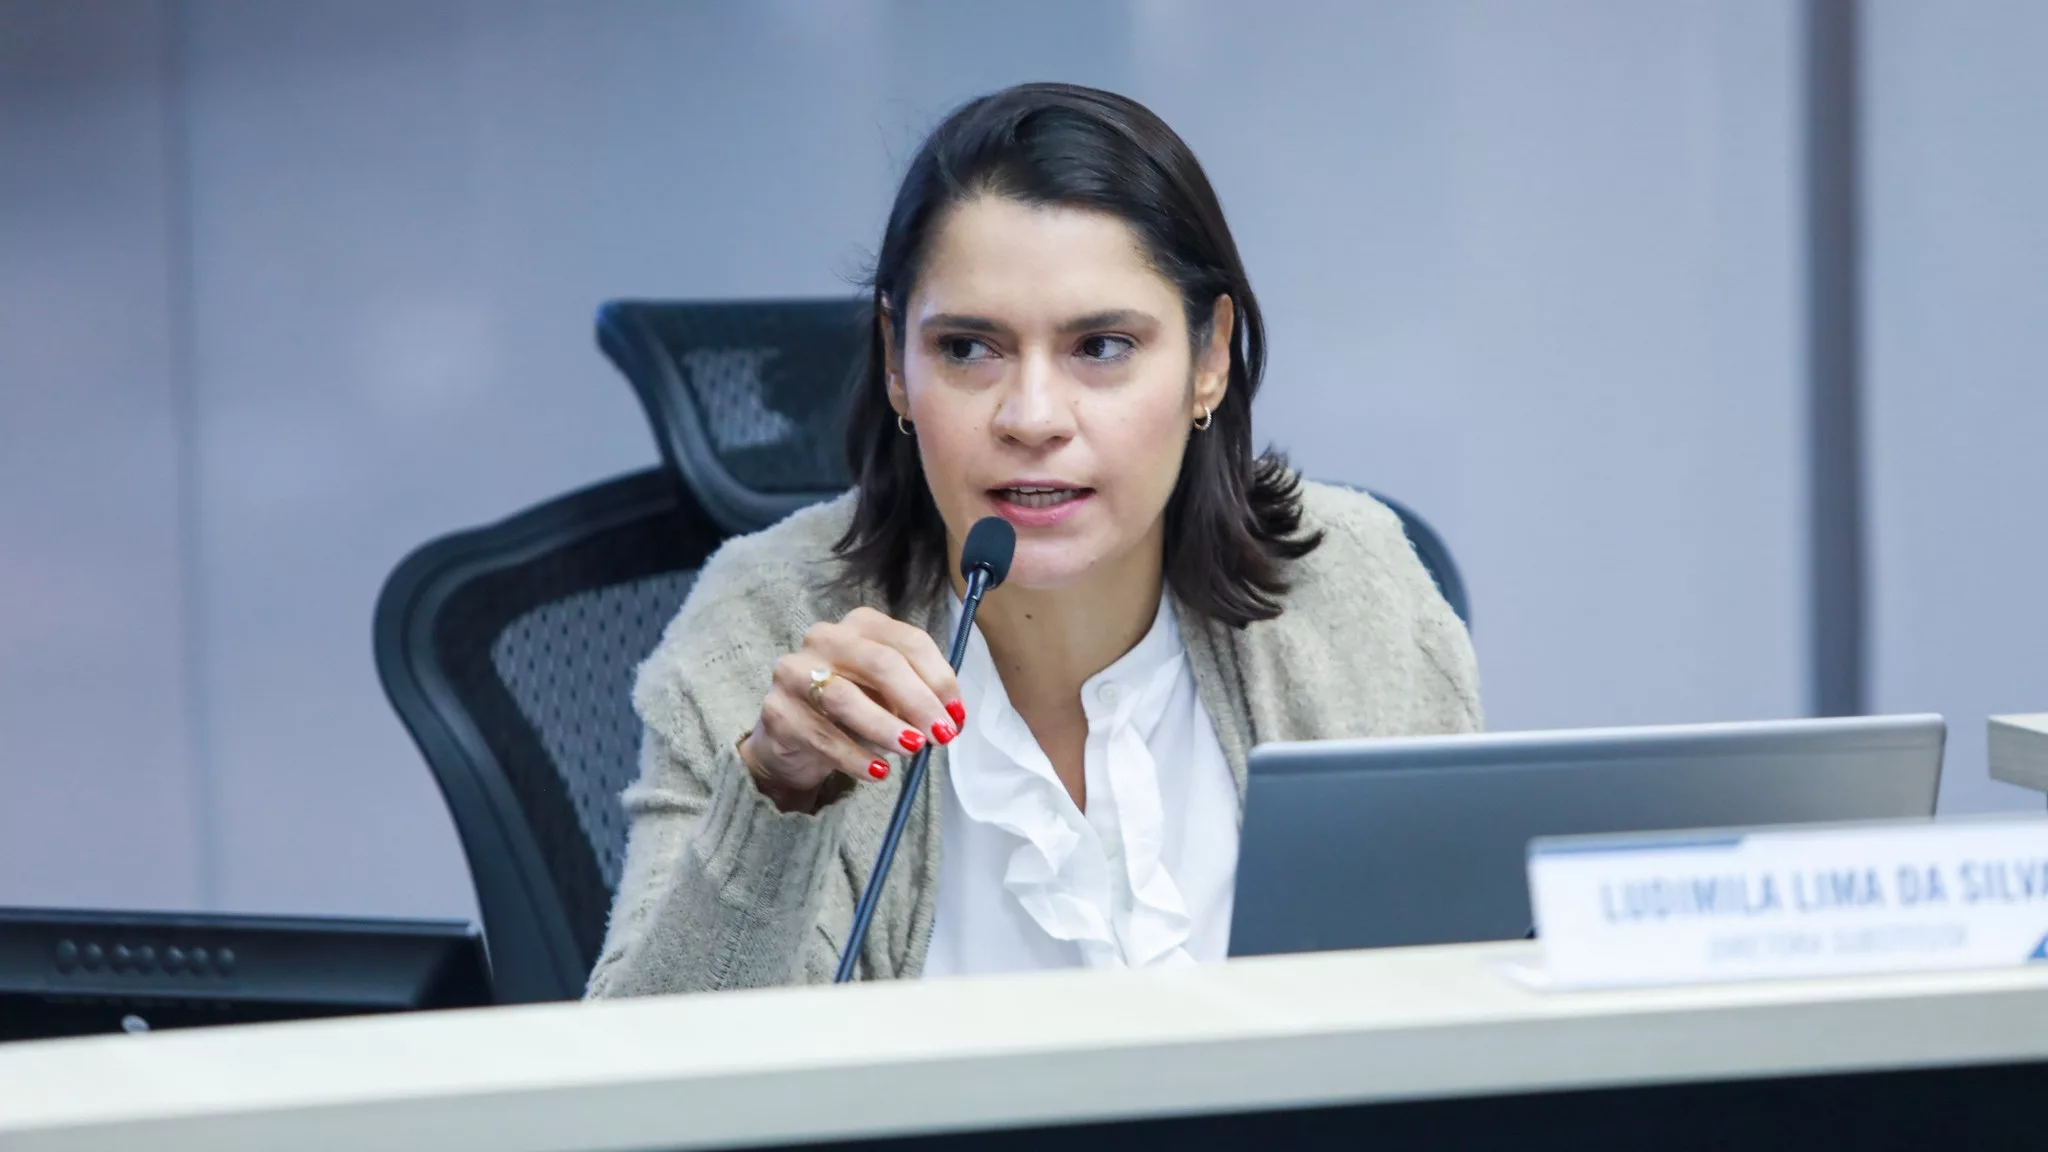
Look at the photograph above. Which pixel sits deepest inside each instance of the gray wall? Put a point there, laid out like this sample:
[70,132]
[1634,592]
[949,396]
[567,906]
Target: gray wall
[301,286]
[1957,386]
[1531,268]
[100,800]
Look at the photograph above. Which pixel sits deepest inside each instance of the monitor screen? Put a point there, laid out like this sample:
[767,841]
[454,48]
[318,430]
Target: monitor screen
[75,973]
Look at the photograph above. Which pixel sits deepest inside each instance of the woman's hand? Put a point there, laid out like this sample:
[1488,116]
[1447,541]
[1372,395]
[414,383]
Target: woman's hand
[886,689]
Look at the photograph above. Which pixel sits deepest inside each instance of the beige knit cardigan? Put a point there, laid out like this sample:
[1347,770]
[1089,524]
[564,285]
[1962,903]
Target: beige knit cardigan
[722,890]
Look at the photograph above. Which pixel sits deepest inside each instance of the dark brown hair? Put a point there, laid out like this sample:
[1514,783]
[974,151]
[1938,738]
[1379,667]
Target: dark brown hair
[1234,519]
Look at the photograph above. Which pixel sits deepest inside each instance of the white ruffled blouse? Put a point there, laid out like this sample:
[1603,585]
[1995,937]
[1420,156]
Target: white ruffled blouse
[1143,878]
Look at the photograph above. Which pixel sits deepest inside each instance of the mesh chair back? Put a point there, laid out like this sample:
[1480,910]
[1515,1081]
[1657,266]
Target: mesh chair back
[747,399]
[509,653]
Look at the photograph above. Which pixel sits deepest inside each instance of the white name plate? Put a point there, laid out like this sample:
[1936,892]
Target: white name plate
[1817,901]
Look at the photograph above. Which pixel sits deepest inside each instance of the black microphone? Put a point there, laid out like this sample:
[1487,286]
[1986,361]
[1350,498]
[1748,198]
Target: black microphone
[984,561]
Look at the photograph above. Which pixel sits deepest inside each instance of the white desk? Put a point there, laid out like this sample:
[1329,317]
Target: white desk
[762,1068]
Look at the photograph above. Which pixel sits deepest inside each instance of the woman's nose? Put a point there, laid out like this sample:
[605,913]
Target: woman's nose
[1036,408]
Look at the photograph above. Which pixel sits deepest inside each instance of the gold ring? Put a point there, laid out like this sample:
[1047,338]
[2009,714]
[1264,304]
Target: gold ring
[819,678]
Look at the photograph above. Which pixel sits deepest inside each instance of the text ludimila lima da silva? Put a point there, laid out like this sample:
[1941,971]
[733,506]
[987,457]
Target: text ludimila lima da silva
[1820,890]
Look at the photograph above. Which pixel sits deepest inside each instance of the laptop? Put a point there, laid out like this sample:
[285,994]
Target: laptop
[1423,840]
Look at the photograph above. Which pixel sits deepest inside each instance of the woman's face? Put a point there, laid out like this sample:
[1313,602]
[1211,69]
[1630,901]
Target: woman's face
[1047,370]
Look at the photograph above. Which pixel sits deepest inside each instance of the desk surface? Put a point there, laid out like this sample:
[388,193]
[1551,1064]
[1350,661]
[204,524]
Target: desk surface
[756,1068]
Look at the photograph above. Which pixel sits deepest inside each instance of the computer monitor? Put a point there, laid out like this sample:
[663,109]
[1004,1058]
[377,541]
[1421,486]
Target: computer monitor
[1423,840]
[72,973]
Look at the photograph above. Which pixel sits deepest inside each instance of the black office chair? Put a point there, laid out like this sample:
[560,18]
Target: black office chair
[508,651]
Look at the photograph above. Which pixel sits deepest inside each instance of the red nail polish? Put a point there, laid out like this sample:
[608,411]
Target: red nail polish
[944,732]
[958,712]
[879,769]
[911,739]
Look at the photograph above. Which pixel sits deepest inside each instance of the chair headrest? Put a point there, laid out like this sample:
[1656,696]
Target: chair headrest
[746,398]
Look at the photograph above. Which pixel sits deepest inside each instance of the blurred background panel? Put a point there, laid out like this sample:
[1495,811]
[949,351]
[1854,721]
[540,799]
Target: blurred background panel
[1956,369]
[291,288]
[1533,268]
[100,797]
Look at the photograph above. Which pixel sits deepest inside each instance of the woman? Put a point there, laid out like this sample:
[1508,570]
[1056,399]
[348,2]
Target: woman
[1064,337]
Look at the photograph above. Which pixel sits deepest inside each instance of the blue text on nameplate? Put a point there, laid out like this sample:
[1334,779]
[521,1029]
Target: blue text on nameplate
[1791,902]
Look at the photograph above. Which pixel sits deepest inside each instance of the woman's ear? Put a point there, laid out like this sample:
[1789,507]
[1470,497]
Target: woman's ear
[892,372]
[1212,367]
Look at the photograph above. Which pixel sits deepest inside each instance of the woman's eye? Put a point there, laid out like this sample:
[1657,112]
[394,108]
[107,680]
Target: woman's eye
[964,349]
[1107,349]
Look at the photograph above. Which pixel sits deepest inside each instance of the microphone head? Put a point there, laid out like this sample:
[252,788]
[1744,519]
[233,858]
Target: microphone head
[990,545]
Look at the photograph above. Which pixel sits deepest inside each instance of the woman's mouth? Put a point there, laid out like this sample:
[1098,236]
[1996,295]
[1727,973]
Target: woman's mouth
[1037,497]
[1038,505]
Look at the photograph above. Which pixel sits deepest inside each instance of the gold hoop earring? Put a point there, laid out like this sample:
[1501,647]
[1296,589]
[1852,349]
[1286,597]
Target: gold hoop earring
[904,426]
[1207,419]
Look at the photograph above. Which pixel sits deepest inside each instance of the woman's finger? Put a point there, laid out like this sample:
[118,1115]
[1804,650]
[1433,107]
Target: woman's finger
[886,674]
[864,719]
[809,747]
[922,652]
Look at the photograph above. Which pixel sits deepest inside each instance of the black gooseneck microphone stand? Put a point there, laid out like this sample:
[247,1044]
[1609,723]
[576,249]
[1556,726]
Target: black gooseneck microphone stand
[984,561]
